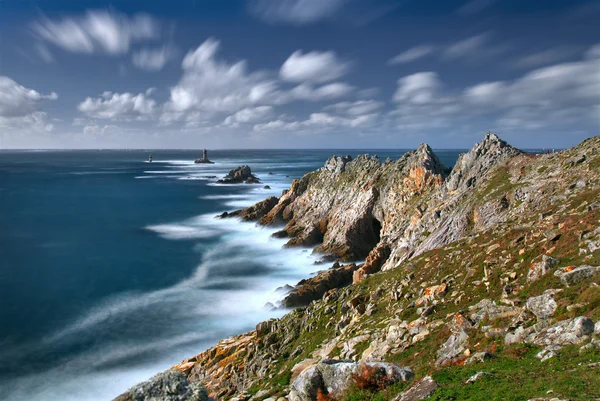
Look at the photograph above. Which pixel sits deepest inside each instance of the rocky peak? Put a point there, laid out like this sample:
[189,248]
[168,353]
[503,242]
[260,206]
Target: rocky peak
[472,165]
[337,164]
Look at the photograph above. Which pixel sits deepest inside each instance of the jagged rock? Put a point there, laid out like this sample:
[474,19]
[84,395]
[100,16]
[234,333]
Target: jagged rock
[171,385]
[473,164]
[543,306]
[570,331]
[419,390]
[573,275]
[537,270]
[307,385]
[254,212]
[204,159]
[265,327]
[314,288]
[335,377]
[453,347]
[239,175]
[374,262]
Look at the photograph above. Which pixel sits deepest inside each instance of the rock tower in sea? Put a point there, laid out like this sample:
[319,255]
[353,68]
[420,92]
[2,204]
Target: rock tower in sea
[204,158]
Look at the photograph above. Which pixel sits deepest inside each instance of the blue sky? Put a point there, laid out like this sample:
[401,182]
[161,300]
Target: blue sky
[297,73]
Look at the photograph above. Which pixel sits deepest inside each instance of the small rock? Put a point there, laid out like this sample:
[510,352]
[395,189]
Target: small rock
[419,390]
[477,376]
[537,270]
[549,352]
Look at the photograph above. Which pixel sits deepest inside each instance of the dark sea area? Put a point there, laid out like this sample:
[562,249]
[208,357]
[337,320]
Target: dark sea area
[113,268]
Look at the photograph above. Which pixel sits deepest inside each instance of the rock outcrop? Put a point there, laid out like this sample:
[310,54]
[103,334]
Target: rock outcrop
[171,385]
[242,174]
[493,261]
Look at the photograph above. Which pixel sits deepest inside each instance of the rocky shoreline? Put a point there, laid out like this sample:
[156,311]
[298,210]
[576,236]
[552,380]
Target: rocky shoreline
[470,275]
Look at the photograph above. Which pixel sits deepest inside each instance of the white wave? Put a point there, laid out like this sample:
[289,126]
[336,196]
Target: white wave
[180,231]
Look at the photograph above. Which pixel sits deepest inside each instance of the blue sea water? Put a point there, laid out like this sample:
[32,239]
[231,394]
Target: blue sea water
[113,269]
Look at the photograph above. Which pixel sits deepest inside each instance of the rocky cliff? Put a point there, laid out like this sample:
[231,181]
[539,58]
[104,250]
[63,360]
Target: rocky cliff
[472,280]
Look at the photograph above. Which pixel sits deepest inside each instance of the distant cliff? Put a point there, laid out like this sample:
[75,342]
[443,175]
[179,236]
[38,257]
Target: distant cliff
[474,279]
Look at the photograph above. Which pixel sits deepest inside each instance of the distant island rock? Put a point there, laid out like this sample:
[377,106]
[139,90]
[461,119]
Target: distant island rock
[239,175]
[204,159]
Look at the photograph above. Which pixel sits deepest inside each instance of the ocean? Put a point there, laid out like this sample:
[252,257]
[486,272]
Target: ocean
[113,268]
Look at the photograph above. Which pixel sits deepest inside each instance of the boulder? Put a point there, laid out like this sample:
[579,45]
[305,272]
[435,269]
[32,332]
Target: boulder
[239,175]
[573,275]
[537,270]
[171,385]
[419,390]
[542,306]
[335,377]
[254,212]
[315,287]
[570,331]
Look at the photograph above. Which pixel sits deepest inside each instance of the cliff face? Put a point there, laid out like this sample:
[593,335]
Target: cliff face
[491,269]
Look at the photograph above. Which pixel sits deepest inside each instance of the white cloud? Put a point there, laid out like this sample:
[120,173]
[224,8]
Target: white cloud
[593,52]
[330,91]
[419,88]
[152,59]
[295,11]
[315,66]
[119,106]
[18,101]
[19,108]
[412,54]
[467,47]
[560,95]
[316,122]
[249,115]
[357,108]
[97,31]
[547,56]
[210,86]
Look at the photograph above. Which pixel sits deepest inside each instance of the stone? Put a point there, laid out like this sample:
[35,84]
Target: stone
[548,352]
[254,212]
[315,287]
[306,386]
[478,376]
[419,390]
[479,357]
[335,377]
[543,306]
[454,346]
[537,270]
[264,328]
[570,331]
[238,176]
[171,385]
[573,275]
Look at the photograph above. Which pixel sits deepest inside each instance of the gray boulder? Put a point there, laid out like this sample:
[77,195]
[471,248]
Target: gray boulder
[537,270]
[570,276]
[171,385]
[543,306]
[336,377]
[419,390]
[570,331]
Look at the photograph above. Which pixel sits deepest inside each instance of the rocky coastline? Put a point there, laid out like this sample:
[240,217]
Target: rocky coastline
[473,278]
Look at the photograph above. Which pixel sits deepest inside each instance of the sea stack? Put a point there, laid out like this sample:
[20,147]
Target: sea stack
[204,159]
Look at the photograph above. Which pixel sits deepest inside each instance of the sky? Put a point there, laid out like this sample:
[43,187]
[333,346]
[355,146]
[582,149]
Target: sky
[297,73]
